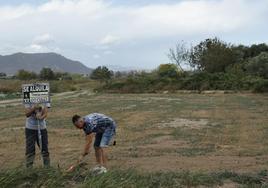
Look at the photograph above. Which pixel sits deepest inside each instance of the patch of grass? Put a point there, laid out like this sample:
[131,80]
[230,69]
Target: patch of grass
[192,136]
[195,151]
[133,152]
[50,177]
[56,86]
[148,139]
[60,123]
[11,112]
[6,96]
[250,180]
[188,151]
[235,128]
[36,177]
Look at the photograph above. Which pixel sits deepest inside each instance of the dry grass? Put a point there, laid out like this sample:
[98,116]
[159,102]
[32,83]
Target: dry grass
[218,132]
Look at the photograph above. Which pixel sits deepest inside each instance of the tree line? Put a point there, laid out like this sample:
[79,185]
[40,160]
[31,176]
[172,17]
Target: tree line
[212,64]
[44,74]
[214,55]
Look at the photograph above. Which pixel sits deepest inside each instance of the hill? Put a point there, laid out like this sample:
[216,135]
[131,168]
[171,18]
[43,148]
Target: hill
[10,64]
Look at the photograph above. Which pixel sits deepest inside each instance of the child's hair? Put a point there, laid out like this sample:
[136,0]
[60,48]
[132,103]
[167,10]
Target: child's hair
[75,118]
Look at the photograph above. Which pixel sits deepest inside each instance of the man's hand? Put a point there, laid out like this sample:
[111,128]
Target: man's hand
[71,169]
[39,116]
[85,153]
[42,114]
[79,161]
[35,107]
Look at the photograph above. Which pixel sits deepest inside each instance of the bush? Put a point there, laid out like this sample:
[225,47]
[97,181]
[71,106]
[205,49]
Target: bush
[168,71]
[261,86]
[102,74]
[152,83]
[47,74]
[26,75]
[62,86]
[258,65]
[212,55]
[10,86]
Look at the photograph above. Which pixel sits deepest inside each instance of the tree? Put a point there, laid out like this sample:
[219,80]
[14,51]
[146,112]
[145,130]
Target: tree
[168,70]
[47,74]
[26,75]
[62,76]
[252,51]
[2,74]
[256,49]
[212,55]
[179,54]
[258,65]
[118,74]
[101,73]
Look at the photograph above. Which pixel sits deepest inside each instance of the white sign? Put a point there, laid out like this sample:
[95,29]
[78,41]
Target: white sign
[36,93]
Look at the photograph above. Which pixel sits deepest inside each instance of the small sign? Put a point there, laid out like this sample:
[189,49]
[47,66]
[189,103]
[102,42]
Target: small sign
[37,93]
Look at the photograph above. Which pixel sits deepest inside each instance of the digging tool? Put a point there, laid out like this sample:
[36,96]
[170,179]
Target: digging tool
[80,163]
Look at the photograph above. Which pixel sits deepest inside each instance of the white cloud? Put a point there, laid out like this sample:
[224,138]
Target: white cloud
[95,18]
[37,48]
[188,18]
[109,40]
[96,56]
[43,39]
[69,24]
[10,13]
[42,43]
[83,7]
[108,52]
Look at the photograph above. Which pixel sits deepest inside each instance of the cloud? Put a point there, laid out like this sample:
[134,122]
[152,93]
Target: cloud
[42,43]
[96,56]
[43,39]
[96,18]
[82,7]
[69,24]
[10,13]
[37,48]
[108,52]
[109,40]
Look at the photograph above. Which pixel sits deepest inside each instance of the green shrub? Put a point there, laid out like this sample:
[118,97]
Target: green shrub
[261,86]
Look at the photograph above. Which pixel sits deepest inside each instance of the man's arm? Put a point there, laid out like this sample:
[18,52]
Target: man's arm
[29,111]
[44,113]
[89,139]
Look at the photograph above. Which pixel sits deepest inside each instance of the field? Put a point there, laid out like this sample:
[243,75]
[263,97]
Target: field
[163,140]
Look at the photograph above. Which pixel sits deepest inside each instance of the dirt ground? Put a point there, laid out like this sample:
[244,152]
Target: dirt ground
[156,132]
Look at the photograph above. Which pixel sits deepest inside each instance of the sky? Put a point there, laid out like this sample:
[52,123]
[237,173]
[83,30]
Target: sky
[127,33]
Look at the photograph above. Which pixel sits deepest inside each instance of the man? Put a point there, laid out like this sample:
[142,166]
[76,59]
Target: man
[104,128]
[36,119]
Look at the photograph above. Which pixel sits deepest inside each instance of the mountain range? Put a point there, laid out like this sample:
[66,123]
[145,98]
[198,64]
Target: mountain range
[10,64]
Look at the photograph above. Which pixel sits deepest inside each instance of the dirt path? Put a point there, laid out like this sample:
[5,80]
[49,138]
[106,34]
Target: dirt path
[64,95]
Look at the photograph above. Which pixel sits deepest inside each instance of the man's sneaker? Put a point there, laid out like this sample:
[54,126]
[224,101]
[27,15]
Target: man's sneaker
[103,169]
[98,170]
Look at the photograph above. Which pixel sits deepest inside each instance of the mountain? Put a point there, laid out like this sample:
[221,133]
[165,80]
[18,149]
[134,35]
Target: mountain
[10,64]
